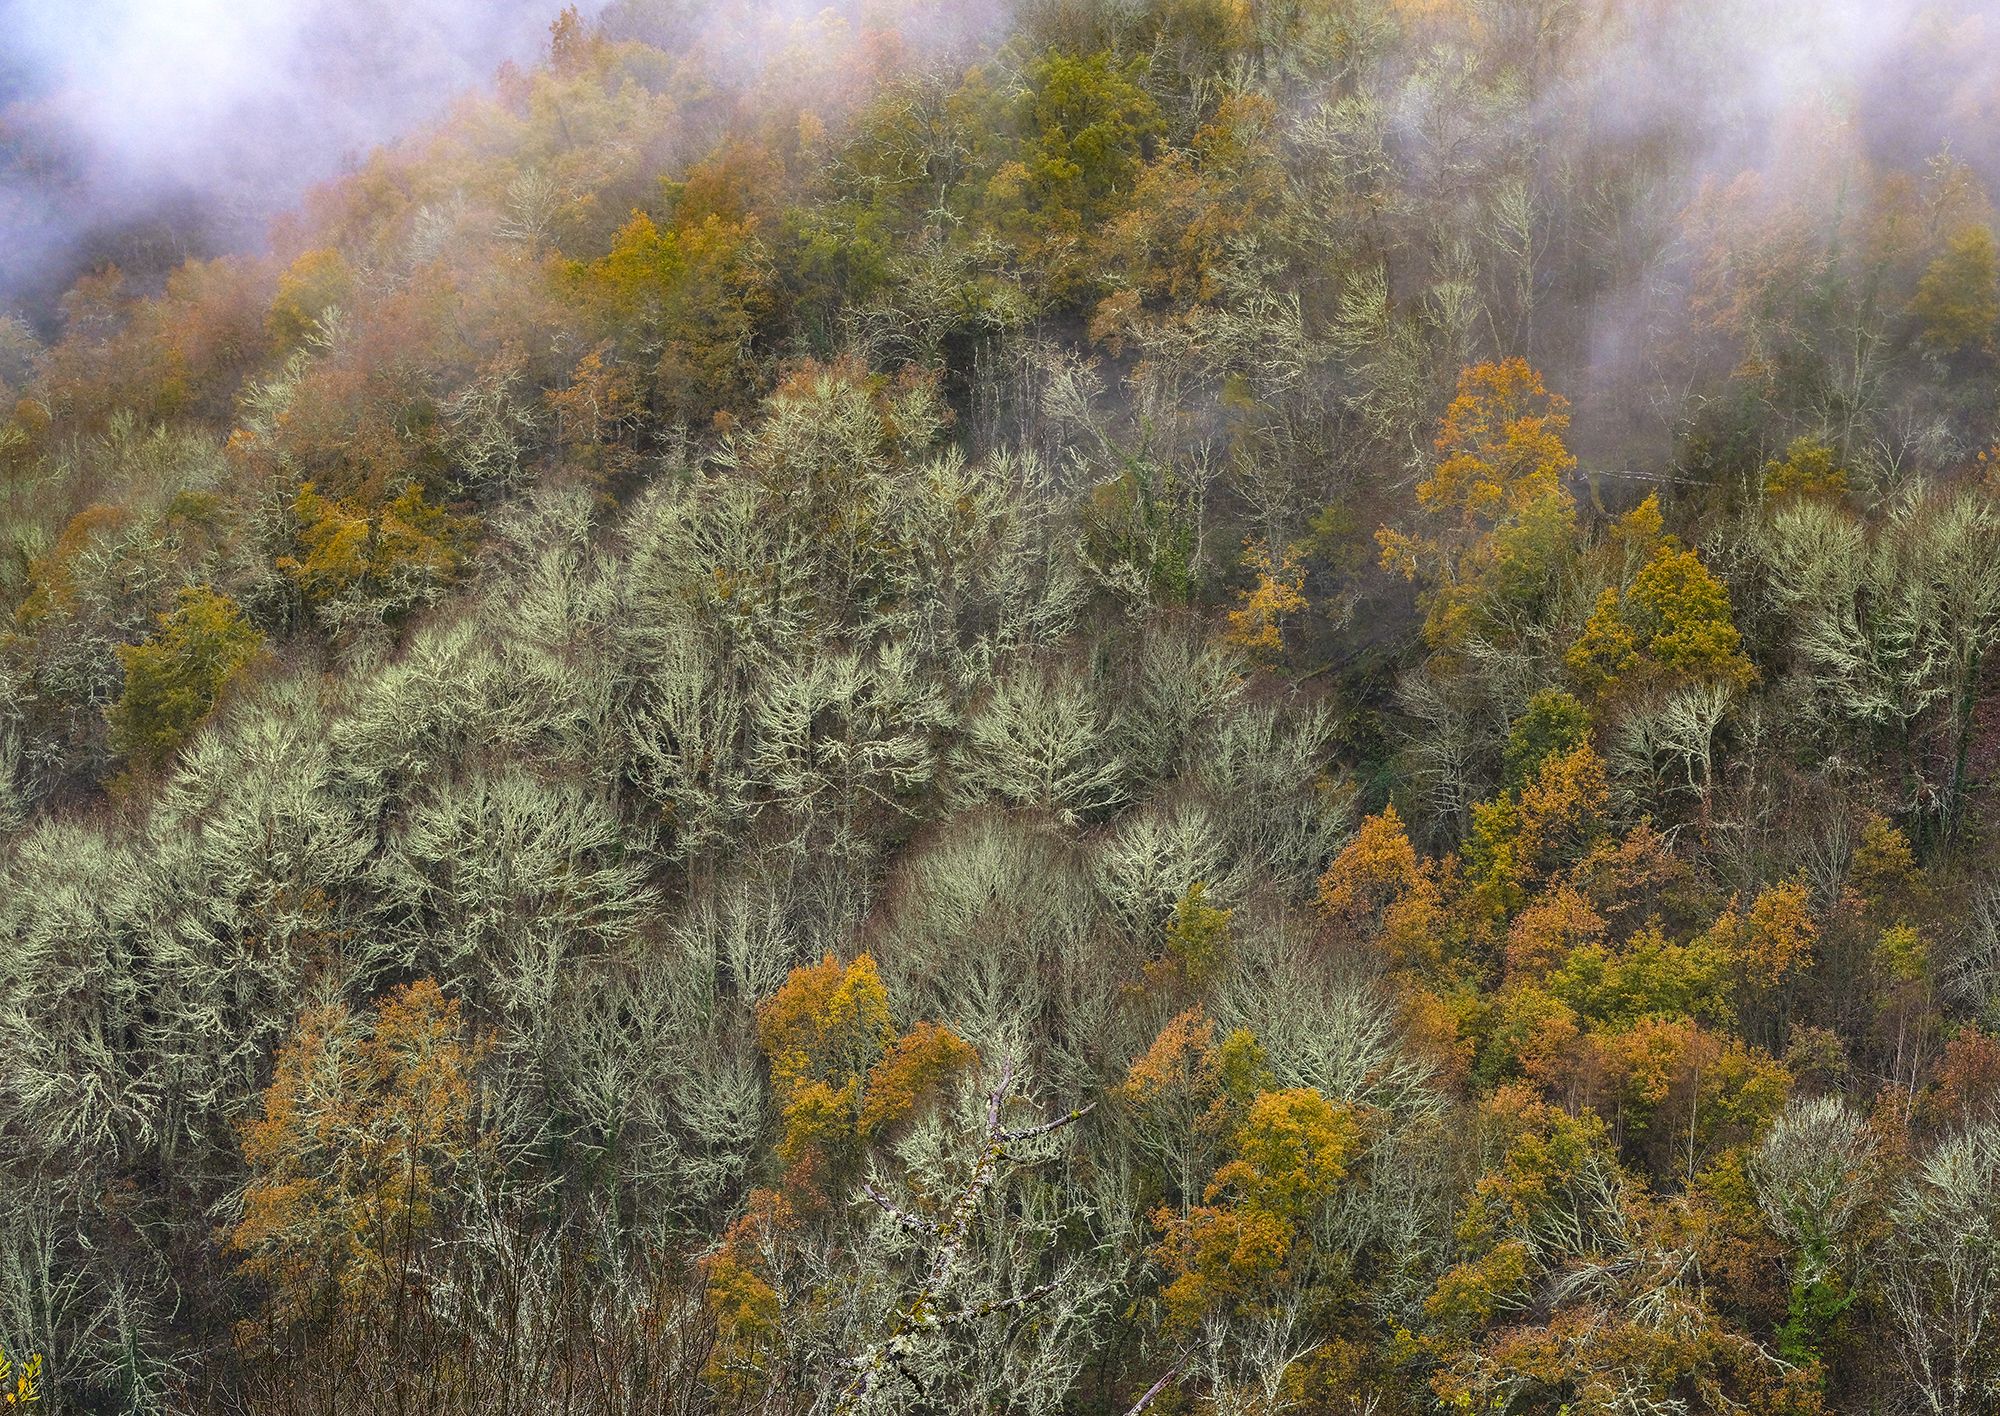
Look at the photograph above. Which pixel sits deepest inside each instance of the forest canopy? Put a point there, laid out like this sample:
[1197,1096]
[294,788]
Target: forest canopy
[1199,706]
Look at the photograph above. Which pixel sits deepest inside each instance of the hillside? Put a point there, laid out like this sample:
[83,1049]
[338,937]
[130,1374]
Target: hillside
[1197,706]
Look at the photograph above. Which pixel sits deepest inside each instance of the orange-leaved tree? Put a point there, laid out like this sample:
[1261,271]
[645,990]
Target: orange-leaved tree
[1183,1094]
[368,1131]
[1256,624]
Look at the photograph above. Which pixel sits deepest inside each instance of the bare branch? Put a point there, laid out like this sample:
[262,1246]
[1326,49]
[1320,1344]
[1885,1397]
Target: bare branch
[1167,1379]
[1028,1133]
[896,1212]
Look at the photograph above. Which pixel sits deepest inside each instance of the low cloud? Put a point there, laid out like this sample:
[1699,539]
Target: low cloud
[158,128]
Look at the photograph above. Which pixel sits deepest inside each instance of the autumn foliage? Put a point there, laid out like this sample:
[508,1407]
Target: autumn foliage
[368,1131]
[1190,707]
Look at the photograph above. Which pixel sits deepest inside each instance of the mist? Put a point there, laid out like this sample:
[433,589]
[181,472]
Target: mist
[1781,105]
[145,132]
[148,131]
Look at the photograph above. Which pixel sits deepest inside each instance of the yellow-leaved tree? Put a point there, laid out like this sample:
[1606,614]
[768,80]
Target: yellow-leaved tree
[1256,624]
[173,678]
[1668,622]
[1496,522]
[843,1080]
[1289,1153]
[1957,304]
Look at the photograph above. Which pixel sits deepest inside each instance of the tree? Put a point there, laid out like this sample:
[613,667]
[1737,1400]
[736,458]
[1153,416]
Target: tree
[1552,724]
[357,564]
[1942,1277]
[1174,244]
[1520,839]
[1889,625]
[1809,468]
[951,1307]
[1086,126]
[368,1132]
[1957,305]
[1197,939]
[1039,738]
[1279,591]
[174,678]
[1497,521]
[1239,1261]
[1179,1096]
[1576,1290]
[1539,1203]
[739,1287]
[773,534]
[823,1032]
[843,1077]
[315,286]
[1815,1171]
[1371,874]
[1293,1147]
[684,303]
[1670,624]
